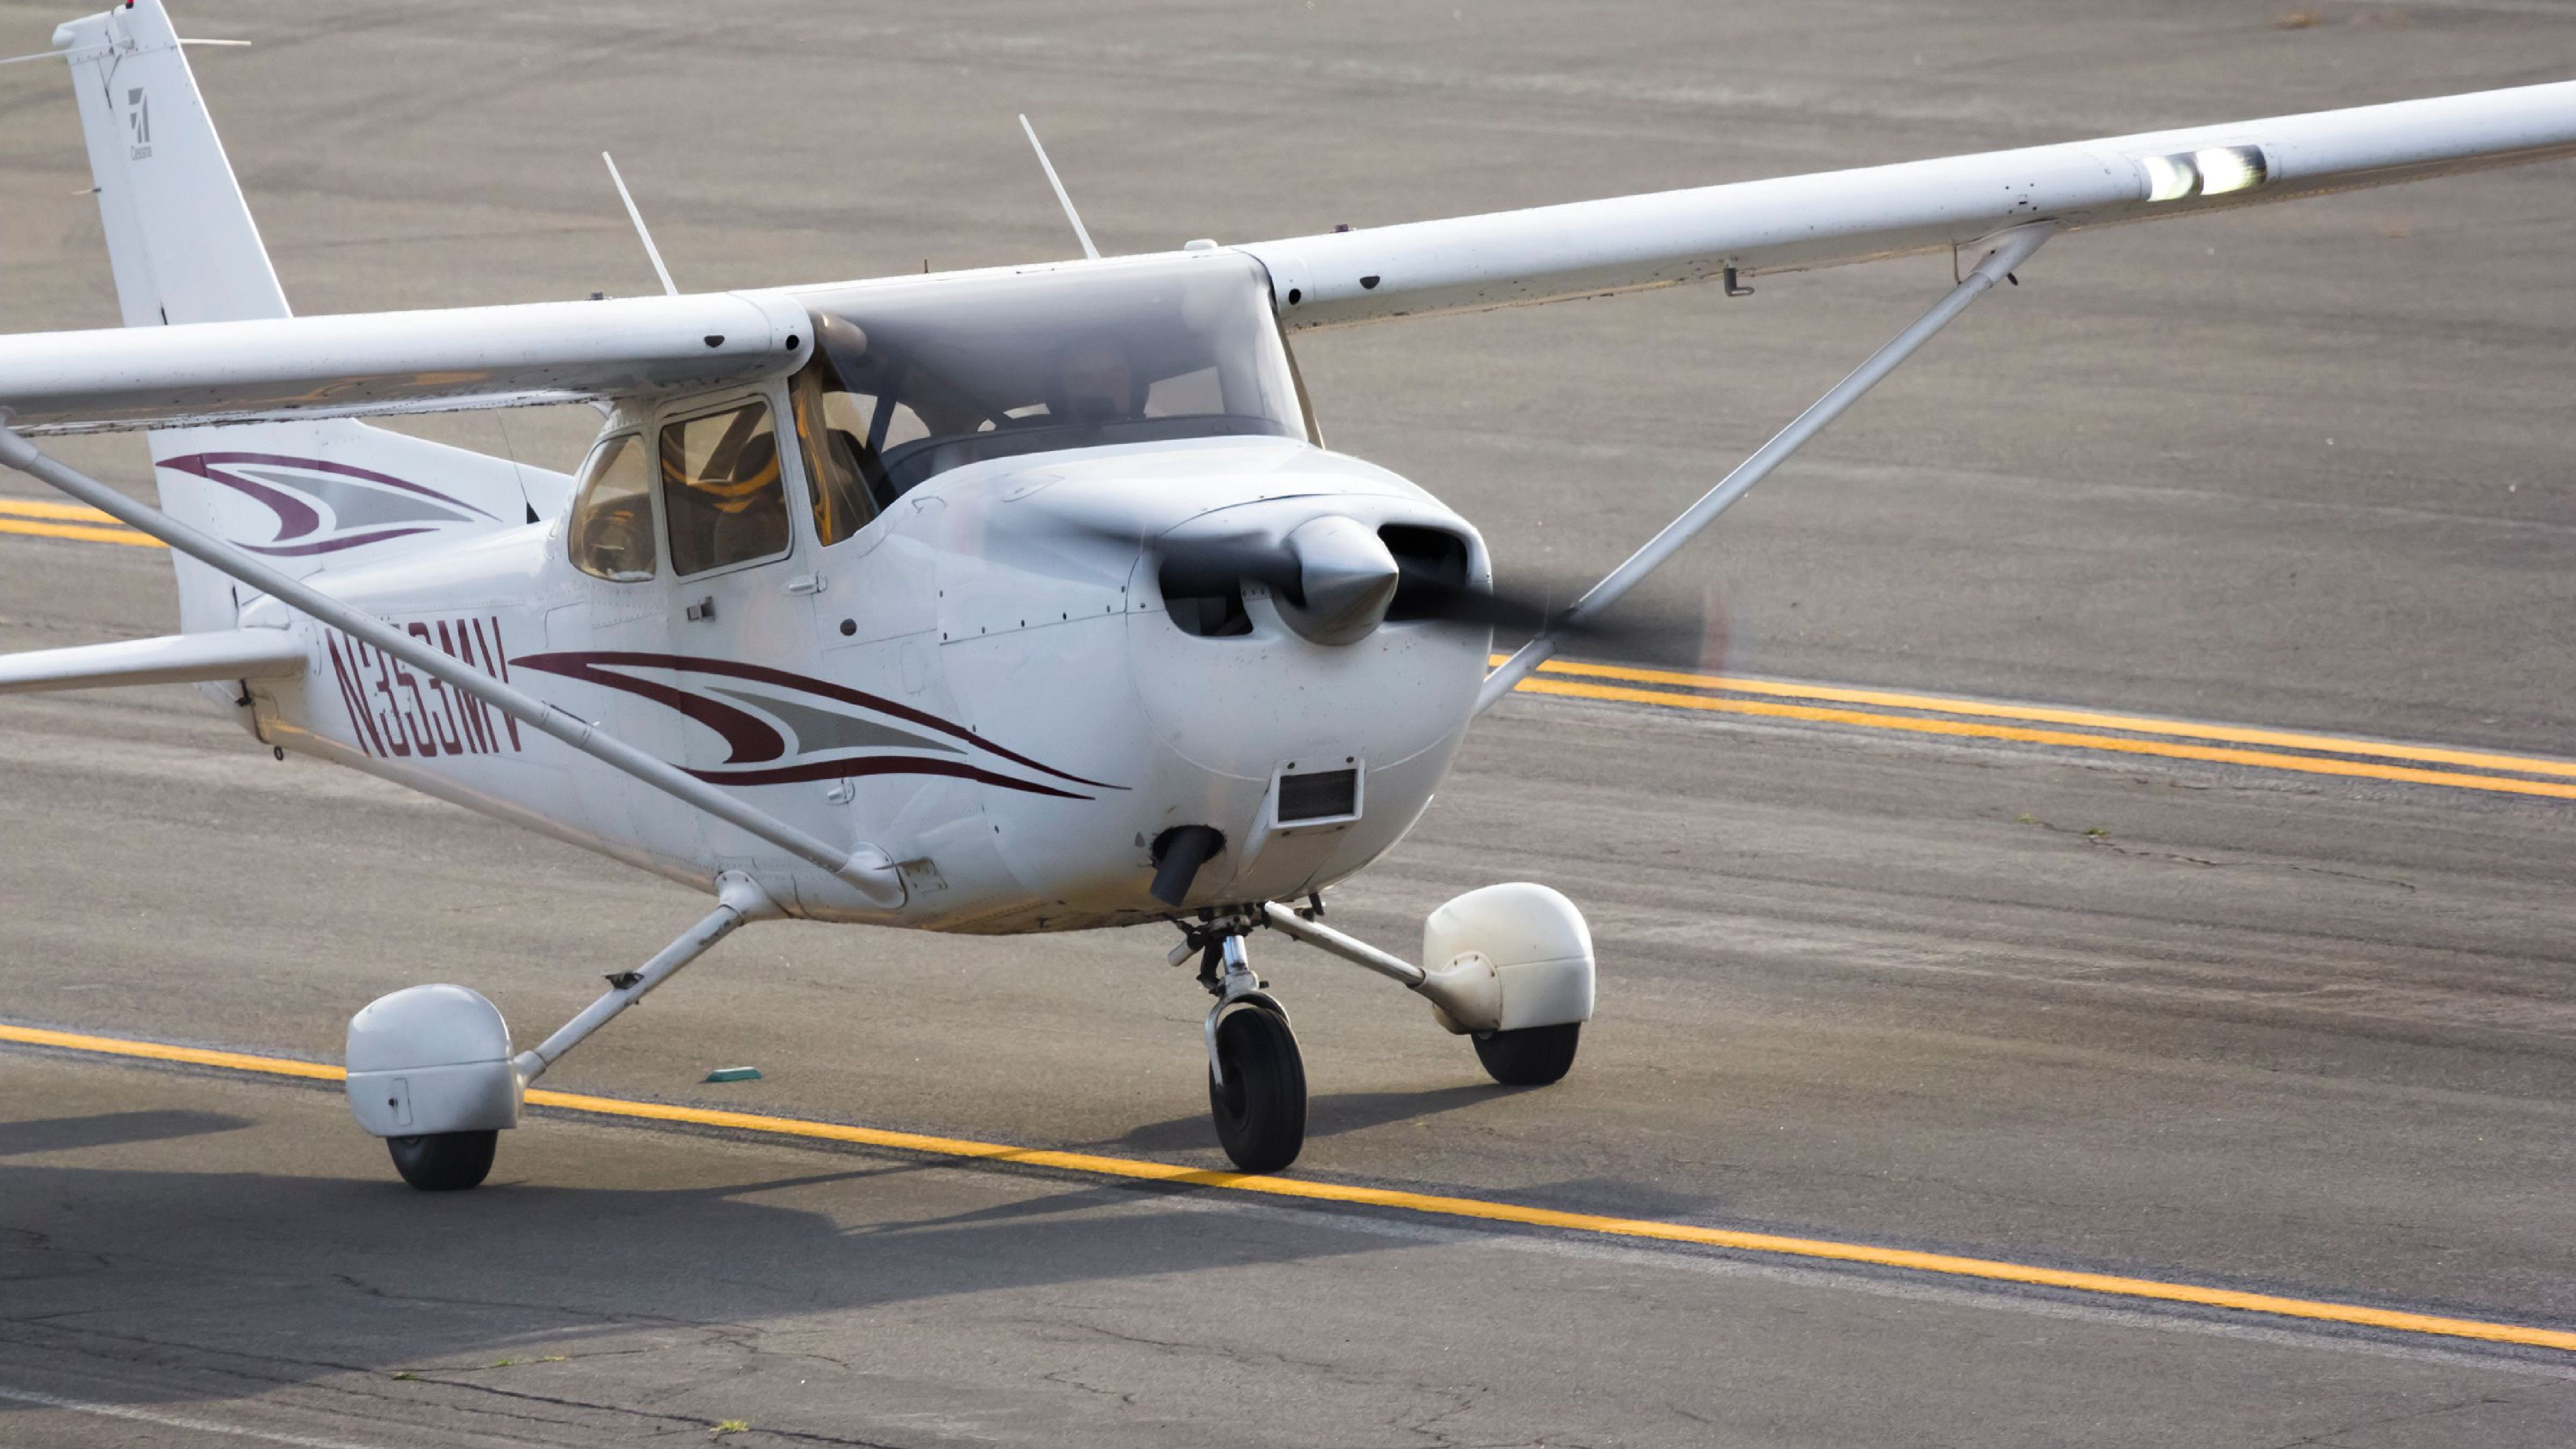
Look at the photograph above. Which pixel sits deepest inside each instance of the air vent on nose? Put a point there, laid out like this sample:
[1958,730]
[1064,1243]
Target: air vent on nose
[1208,608]
[1319,795]
[1423,555]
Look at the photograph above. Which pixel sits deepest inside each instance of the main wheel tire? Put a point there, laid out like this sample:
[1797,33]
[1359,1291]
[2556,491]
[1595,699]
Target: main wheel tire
[444,1161]
[1530,1057]
[1260,1109]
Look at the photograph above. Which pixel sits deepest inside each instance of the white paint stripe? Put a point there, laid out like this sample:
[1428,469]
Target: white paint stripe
[174,1421]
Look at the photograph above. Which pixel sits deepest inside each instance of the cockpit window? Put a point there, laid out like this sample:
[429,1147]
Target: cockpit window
[721,493]
[610,532]
[909,380]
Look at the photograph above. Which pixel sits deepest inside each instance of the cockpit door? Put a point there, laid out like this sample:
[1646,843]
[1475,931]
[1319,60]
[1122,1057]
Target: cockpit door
[739,619]
[620,600]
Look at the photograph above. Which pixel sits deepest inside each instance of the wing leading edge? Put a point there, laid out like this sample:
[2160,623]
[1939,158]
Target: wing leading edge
[1628,243]
[380,363]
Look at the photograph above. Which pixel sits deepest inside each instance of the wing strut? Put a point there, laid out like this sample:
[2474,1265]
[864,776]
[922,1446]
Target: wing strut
[866,868]
[2006,252]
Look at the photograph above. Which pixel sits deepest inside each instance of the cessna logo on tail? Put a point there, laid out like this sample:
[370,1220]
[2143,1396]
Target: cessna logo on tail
[324,507]
[138,117]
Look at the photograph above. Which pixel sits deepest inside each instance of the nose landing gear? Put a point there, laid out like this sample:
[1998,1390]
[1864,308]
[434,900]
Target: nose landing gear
[1509,967]
[1256,1076]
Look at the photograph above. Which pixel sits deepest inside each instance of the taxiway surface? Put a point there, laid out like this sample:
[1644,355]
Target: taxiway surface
[2181,1021]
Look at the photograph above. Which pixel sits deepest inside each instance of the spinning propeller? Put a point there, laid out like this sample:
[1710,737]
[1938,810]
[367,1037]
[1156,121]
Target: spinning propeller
[1334,580]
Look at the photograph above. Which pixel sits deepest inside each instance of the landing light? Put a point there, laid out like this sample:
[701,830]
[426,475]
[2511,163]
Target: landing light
[2211,171]
[2228,168]
[2169,178]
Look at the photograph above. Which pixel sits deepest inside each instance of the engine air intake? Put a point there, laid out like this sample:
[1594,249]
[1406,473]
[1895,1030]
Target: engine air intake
[1319,795]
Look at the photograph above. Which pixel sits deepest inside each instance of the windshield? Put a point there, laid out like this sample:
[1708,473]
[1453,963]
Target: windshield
[908,381]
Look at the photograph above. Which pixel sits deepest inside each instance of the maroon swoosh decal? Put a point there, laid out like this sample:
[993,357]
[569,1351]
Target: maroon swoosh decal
[576,664]
[329,545]
[295,517]
[879,765]
[747,735]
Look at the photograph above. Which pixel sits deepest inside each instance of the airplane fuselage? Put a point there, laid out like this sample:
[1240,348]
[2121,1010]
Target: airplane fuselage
[985,682]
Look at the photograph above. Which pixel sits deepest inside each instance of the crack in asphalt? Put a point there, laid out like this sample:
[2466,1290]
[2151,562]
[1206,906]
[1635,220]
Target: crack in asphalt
[2412,1415]
[366,1383]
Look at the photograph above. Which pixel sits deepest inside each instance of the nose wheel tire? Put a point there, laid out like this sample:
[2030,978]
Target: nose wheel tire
[1260,1107]
[1530,1057]
[444,1161]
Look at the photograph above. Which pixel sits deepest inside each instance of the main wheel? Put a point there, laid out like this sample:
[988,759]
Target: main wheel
[1530,1057]
[1261,1107]
[444,1161]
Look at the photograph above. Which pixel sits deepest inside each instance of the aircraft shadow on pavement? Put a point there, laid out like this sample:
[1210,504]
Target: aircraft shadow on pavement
[1326,1116]
[108,1129]
[161,1282]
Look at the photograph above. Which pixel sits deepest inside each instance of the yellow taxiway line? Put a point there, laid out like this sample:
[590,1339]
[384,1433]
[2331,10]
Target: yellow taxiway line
[42,519]
[1814,703]
[1966,718]
[1433,1205]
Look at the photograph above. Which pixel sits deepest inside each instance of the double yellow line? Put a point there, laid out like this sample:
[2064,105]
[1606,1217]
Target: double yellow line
[2352,1315]
[2073,728]
[42,519]
[1830,704]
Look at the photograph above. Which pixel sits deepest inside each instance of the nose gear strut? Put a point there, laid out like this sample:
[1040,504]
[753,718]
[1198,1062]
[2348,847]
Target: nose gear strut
[1256,1075]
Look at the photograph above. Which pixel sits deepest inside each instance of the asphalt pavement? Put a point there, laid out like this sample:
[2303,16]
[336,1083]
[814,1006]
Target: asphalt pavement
[2183,1022]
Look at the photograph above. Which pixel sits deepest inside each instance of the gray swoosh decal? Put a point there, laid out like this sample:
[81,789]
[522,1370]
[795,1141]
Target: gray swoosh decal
[355,505]
[818,729]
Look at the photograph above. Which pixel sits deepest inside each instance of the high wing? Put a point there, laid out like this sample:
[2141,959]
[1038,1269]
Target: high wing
[365,364]
[428,361]
[1595,248]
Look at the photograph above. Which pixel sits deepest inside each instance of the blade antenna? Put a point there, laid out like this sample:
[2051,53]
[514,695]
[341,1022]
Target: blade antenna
[668,287]
[1066,201]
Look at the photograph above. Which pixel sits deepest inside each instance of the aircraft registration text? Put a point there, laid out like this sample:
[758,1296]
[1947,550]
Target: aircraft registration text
[396,714]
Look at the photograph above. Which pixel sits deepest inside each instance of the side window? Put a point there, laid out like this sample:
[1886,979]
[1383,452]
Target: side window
[721,491]
[611,529]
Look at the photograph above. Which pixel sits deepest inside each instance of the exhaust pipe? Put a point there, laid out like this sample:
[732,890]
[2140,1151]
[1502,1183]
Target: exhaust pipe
[1178,854]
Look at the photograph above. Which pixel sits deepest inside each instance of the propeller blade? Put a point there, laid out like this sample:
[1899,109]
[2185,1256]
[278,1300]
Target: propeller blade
[1213,565]
[1423,595]
[1630,631]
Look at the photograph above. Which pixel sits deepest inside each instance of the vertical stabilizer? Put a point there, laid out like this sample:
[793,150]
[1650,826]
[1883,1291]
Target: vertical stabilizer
[179,235]
[305,496]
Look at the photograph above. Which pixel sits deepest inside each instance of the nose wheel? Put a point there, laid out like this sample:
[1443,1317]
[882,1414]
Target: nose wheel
[444,1161]
[1256,1076]
[1260,1102]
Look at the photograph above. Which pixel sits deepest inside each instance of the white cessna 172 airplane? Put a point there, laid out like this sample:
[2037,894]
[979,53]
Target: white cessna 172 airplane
[1023,599]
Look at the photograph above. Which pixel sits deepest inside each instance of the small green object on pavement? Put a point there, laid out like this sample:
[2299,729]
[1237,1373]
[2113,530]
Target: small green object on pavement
[734,1074]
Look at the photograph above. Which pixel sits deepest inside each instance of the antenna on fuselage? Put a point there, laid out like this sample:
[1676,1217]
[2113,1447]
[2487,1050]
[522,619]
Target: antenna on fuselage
[1070,214]
[668,287]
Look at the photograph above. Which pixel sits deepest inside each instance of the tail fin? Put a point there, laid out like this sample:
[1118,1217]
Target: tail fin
[180,239]
[178,233]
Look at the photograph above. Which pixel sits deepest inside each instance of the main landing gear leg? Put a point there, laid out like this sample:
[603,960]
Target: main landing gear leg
[1256,1077]
[430,1068]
